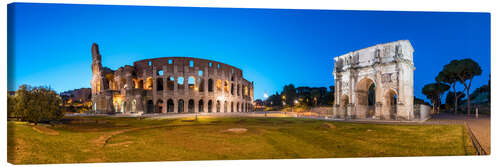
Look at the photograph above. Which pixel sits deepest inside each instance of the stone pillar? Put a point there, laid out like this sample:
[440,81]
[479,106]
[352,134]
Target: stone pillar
[176,78]
[176,108]
[196,105]
[154,92]
[205,105]
[186,102]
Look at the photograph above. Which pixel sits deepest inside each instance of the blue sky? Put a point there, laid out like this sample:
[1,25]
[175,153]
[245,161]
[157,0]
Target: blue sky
[49,44]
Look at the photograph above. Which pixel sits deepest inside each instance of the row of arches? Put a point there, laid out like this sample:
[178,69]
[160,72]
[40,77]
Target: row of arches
[211,106]
[193,83]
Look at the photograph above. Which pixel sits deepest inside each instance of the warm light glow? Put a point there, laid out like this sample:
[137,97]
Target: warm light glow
[221,98]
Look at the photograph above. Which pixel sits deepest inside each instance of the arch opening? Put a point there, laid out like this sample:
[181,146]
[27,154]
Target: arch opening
[365,98]
[150,106]
[170,105]
[159,106]
[200,106]
[209,105]
[180,107]
[191,106]
[391,99]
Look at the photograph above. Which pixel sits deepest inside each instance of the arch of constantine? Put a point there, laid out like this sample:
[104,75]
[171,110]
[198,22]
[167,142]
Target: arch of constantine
[375,83]
[169,84]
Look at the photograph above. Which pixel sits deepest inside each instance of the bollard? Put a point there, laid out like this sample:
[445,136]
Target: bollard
[477,114]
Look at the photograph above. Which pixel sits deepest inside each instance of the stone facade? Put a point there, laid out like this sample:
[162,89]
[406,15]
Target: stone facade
[375,82]
[169,84]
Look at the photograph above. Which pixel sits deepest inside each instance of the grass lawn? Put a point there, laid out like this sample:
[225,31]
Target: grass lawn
[104,139]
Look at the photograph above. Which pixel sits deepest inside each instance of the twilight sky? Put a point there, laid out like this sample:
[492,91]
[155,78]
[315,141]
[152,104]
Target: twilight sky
[49,44]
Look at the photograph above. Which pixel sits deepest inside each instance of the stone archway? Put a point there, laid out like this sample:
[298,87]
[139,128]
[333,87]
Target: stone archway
[159,106]
[217,106]
[209,106]
[170,105]
[200,106]
[150,106]
[191,106]
[180,104]
[390,105]
[366,75]
[365,98]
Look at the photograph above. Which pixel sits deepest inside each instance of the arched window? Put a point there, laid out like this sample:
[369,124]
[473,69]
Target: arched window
[191,63]
[180,82]
[159,84]
[159,73]
[219,85]
[226,86]
[170,61]
[210,85]
[191,83]
[232,89]
[149,83]
[170,83]
[201,84]
[140,85]
[200,73]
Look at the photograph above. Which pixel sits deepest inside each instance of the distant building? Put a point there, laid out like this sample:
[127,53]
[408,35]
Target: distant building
[81,95]
[12,93]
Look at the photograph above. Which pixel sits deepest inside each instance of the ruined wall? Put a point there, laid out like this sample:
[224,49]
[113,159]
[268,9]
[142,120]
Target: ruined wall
[171,84]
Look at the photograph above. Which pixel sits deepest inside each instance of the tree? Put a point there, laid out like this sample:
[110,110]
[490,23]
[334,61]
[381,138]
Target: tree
[37,104]
[274,100]
[289,94]
[11,106]
[453,99]
[449,75]
[433,92]
[466,69]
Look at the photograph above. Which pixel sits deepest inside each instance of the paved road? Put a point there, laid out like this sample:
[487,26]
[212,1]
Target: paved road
[481,127]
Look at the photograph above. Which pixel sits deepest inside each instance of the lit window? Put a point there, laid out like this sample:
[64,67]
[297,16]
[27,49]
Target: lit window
[180,80]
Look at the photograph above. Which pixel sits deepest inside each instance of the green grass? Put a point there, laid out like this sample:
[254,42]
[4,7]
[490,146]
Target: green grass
[130,139]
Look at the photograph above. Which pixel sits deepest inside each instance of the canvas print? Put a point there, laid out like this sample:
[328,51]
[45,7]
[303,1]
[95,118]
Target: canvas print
[111,83]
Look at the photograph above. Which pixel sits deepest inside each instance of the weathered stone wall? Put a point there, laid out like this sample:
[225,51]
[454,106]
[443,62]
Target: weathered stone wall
[170,84]
[389,67]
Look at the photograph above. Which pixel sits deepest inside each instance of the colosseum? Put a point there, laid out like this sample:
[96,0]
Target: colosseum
[169,85]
